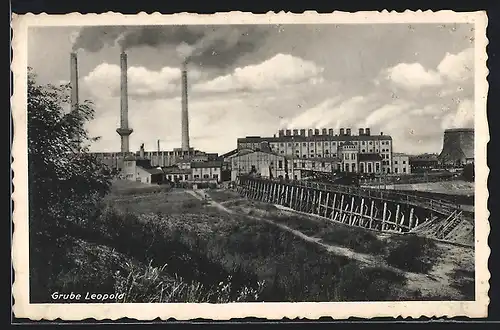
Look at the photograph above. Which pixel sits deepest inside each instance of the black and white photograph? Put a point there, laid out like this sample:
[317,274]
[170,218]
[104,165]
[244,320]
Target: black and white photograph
[261,161]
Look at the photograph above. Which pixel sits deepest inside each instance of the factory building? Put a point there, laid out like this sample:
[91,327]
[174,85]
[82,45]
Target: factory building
[140,169]
[423,163]
[264,163]
[158,158]
[325,144]
[458,147]
[401,163]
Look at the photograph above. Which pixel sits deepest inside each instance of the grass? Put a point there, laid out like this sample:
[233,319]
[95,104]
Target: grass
[169,247]
[413,253]
[464,282]
[221,195]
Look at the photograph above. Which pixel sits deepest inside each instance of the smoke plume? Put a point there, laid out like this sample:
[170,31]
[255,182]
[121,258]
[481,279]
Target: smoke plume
[214,46]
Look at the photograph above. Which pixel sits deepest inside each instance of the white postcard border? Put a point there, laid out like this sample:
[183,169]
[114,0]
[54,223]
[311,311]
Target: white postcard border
[184,311]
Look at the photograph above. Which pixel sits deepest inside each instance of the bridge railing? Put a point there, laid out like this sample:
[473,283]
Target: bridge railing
[432,204]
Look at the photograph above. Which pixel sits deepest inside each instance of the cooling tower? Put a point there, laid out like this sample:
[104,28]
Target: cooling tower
[124,131]
[184,113]
[458,147]
[74,81]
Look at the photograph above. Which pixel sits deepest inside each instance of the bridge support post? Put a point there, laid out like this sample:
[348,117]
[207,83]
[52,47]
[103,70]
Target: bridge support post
[326,204]
[384,215]
[411,219]
[371,214]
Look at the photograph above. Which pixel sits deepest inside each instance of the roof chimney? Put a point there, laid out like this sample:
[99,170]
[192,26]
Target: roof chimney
[367,131]
[316,131]
[295,132]
[310,132]
[330,131]
[323,131]
[281,132]
[141,151]
[361,131]
[288,132]
[348,132]
[302,132]
[341,132]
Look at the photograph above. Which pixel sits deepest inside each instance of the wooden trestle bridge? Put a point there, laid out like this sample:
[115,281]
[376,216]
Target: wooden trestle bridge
[374,209]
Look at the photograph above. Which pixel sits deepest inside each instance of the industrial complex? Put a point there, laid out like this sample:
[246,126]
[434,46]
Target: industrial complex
[294,154]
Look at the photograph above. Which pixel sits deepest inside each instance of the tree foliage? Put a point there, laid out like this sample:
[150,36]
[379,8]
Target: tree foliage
[65,181]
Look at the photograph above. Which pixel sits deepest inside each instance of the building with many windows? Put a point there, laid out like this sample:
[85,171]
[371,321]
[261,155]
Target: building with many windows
[325,144]
[401,163]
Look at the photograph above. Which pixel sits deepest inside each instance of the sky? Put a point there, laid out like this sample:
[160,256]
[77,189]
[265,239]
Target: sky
[408,81]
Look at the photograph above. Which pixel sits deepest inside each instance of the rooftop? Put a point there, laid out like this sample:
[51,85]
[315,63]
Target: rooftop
[298,138]
[209,164]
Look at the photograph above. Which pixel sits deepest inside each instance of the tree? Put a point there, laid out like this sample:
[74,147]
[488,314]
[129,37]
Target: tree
[66,183]
[468,172]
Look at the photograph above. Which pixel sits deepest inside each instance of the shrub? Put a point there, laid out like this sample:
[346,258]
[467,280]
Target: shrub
[362,241]
[367,284]
[414,254]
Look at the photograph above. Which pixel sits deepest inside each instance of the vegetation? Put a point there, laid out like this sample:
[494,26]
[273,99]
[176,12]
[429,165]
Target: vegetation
[468,173]
[414,254]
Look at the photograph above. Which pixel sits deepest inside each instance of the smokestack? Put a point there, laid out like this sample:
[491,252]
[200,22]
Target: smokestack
[124,131]
[184,114]
[74,81]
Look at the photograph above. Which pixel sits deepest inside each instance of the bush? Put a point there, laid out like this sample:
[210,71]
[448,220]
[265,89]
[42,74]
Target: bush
[367,284]
[414,254]
[362,241]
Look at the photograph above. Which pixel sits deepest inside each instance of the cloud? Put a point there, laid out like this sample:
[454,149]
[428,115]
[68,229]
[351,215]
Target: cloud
[458,67]
[412,76]
[104,81]
[454,68]
[274,73]
[462,117]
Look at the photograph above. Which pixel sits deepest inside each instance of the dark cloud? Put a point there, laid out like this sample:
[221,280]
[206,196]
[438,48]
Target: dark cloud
[215,46]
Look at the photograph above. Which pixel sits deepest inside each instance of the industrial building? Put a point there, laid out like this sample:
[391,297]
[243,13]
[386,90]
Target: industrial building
[401,163]
[423,163]
[326,144]
[140,169]
[158,158]
[458,147]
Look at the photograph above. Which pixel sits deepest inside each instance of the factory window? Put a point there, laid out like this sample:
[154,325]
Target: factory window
[362,167]
[282,144]
[295,177]
[363,150]
[186,177]
[404,169]
[280,164]
[353,167]
[294,164]
[376,150]
[206,176]
[215,176]
[289,144]
[282,152]
[297,144]
[395,162]
[169,177]
[363,143]
[377,167]
[356,142]
[303,164]
[371,142]
[369,167]
[313,164]
[304,156]
[353,156]
[297,151]
[319,155]
[271,163]
[311,144]
[396,170]
[304,144]
[404,161]
[323,164]
[326,152]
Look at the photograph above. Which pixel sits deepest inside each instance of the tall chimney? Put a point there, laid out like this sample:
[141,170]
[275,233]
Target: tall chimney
[124,131]
[73,63]
[184,113]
